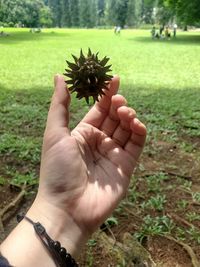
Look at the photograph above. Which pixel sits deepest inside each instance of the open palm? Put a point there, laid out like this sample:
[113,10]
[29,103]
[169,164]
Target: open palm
[86,172]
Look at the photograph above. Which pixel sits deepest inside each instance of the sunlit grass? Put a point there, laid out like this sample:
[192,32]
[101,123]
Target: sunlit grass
[30,60]
[160,78]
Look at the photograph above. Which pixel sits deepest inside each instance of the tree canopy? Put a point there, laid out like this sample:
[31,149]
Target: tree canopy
[25,12]
[186,11]
[93,13]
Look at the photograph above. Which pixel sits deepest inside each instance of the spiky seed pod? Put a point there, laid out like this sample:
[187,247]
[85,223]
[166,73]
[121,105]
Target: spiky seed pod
[88,75]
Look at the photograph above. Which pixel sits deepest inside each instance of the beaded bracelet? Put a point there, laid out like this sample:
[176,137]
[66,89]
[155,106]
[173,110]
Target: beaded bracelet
[59,254]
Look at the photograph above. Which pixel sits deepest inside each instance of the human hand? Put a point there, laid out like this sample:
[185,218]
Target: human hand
[86,172]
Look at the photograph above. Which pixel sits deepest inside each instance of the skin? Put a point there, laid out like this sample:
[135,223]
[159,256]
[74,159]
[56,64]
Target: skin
[84,174]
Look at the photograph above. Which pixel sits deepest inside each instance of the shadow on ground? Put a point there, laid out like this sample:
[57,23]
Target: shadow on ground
[179,40]
[24,113]
[21,36]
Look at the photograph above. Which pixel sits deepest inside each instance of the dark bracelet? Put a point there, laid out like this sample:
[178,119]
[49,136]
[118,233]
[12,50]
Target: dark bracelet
[59,254]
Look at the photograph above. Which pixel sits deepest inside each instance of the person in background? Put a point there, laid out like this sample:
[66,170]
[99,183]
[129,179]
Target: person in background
[153,31]
[117,30]
[167,33]
[174,29]
[161,29]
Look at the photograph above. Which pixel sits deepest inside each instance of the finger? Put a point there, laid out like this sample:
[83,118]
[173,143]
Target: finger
[137,139]
[99,111]
[123,131]
[112,120]
[58,115]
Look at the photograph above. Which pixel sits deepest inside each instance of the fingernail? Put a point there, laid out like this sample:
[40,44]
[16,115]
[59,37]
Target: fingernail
[137,121]
[56,79]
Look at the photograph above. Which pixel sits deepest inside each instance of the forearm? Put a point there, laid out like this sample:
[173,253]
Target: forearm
[23,247]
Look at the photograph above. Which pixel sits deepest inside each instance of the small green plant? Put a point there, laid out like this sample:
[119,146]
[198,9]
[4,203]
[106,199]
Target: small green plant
[2,180]
[180,233]
[182,204]
[196,196]
[187,147]
[89,255]
[120,207]
[89,258]
[111,221]
[155,226]
[21,179]
[156,203]
[154,182]
[194,234]
[92,242]
[187,185]
[153,185]
[193,216]
[133,194]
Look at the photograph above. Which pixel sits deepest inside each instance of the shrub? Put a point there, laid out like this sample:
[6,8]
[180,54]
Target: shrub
[11,24]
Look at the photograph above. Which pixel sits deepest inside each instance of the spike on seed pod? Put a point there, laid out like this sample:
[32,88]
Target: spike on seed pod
[88,75]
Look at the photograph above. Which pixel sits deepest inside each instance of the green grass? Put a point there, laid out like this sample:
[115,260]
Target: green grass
[160,79]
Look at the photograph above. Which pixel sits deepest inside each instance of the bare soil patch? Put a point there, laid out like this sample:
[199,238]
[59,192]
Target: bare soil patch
[180,170]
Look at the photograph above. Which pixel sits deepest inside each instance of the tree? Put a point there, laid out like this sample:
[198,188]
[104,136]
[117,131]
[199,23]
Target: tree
[55,6]
[24,12]
[93,12]
[134,8]
[101,5]
[187,12]
[75,16]
[122,6]
[66,13]
[148,11]
[110,12]
[46,17]
[32,12]
[116,12]
[165,15]
[85,15]
[2,10]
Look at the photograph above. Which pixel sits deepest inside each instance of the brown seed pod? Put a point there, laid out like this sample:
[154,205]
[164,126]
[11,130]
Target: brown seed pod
[88,75]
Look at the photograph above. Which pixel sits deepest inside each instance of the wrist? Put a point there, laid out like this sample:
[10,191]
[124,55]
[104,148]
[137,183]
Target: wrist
[59,225]
[23,247]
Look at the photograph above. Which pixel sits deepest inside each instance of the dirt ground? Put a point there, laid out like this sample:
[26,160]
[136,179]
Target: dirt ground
[182,180]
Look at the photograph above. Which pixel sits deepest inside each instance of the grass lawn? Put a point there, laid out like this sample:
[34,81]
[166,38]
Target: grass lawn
[160,79]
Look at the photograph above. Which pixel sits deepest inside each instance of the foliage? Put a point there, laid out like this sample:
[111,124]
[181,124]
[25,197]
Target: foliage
[134,10]
[111,221]
[55,6]
[21,179]
[45,17]
[192,216]
[25,12]
[187,12]
[194,234]
[93,13]
[88,12]
[2,181]
[155,226]
[156,202]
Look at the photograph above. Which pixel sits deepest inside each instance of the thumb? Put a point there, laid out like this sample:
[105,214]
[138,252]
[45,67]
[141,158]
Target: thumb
[58,115]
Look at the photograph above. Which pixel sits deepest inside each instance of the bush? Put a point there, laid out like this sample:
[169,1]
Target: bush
[11,24]
[5,25]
